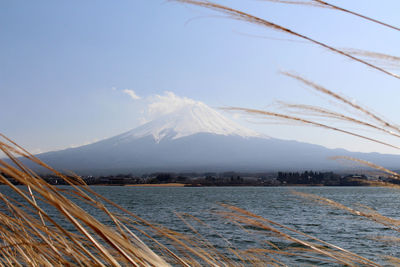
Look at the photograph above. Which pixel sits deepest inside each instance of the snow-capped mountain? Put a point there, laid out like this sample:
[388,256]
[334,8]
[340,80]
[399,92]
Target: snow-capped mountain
[188,120]
[195,137]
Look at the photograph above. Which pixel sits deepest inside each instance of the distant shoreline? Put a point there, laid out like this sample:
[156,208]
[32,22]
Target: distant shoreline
[242,185]
[158,185]
[227,185]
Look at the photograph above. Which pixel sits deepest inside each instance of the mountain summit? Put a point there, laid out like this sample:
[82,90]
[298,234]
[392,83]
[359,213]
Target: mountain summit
[187,120]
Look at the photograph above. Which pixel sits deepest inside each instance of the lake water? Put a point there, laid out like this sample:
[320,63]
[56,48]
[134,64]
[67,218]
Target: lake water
[275,203]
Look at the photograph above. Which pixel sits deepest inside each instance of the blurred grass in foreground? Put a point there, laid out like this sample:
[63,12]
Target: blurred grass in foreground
[31,237]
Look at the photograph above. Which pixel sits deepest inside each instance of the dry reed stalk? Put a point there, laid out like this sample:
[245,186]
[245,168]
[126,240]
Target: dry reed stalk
[344,100]
[389,61]
[210,228]
[242,16]
[214,253]
[303,253]
[324,4]
[249,218]
[50,195]
[392,174]
[380,184]
[269,114]
[101,245]
[371,215]
[91,230]
[49,243]
[374,121]
[339,258]
[386,239]
[29,241]
[326,113]
[306,3]
[395,261]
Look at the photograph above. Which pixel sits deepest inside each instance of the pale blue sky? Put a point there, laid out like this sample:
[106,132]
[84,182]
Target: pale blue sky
[59,61]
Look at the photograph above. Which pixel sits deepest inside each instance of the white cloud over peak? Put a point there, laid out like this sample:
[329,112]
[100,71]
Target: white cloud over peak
[132,94]
[168,103]
[156,105]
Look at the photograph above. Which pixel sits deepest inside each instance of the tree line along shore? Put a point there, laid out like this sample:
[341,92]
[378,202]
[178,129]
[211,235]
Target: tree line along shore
[306,178]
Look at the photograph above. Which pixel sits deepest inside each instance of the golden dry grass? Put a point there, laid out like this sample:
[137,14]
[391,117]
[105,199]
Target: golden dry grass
[299,113]
[243,16]
[30,236]
[325,4]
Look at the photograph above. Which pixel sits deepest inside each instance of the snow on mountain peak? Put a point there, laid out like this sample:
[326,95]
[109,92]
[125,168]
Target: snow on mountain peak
[184,117]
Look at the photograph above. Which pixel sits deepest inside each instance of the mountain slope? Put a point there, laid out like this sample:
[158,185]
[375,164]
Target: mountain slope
[204,152]
[195,137]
